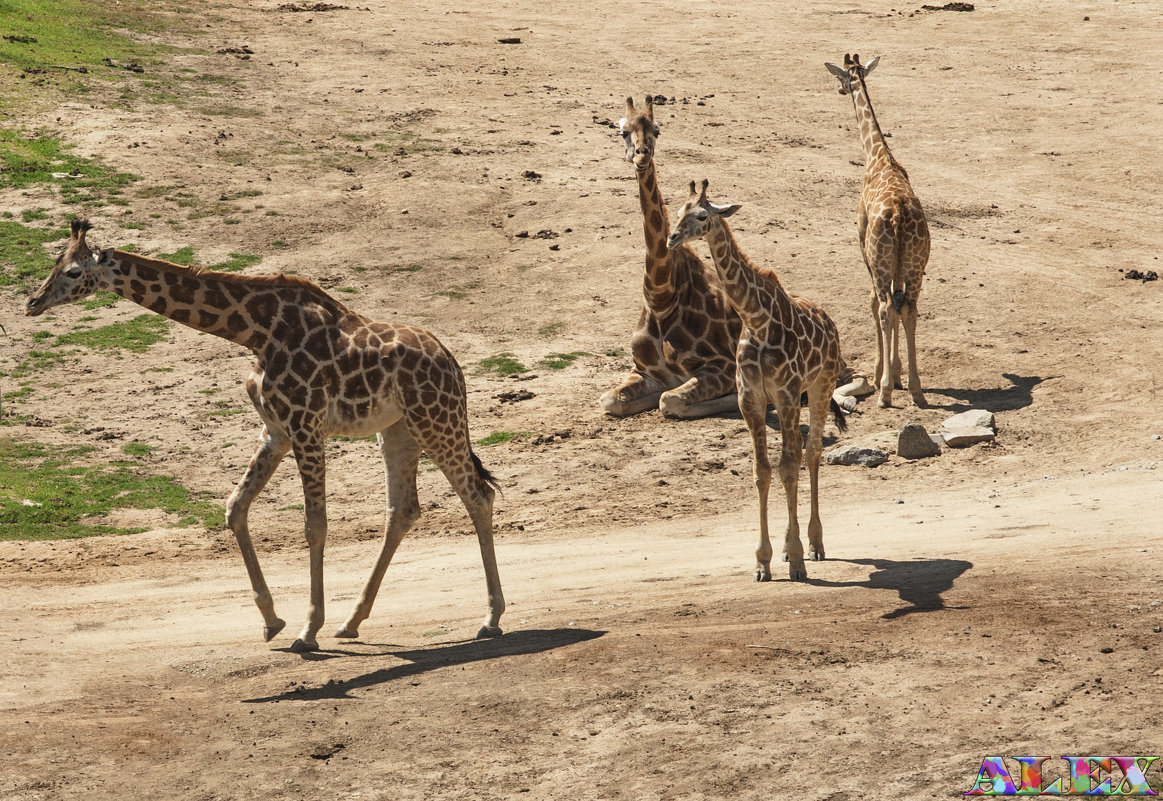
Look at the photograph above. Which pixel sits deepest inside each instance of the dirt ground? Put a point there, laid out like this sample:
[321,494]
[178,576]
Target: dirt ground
[997,600]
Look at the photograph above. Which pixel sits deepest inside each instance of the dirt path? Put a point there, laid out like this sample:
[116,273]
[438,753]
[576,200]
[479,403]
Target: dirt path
[433,174]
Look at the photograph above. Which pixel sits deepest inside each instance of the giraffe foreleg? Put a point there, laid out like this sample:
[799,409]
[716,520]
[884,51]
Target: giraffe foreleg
[637,394]
[787,406]
[710,392]
[888,321]
[267,456]
[311,457]
[401,456]
[753,406]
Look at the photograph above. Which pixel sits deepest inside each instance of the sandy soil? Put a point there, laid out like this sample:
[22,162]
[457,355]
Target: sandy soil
[997,600]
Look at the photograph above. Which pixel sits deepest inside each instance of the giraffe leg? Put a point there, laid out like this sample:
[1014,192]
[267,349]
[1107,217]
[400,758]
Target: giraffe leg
[711,392]
[818,398]
[453,454]
[635,395]
[401,456]
[310,454]
[887,320]
[270,451]
[787,406]
[896,349]
[909,316]
[753,406]
[876,323]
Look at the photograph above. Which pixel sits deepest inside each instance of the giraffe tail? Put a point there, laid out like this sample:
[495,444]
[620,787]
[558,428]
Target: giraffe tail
[838,416]
[483,472]
[898,285]
[898,300]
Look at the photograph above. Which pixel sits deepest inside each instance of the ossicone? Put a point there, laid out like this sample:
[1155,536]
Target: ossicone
[78,228]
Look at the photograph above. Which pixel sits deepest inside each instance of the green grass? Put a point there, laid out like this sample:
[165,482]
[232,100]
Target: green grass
[100,300]
[46,493]
[135,449]
[24,260]
[559,361]
[134,335]
[550,330]
[37,362]
[236,262]
[183,256]
[458,292]
[44,161]
[497,437]
[501,364]
[224,408]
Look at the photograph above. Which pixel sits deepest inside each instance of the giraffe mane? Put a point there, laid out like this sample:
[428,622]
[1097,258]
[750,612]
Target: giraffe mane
[277,280]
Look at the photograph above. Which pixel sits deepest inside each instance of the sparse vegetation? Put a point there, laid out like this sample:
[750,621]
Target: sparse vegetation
[497,437]
[48,493]
[134,335]
[502,364]
[24,260]
[559,361]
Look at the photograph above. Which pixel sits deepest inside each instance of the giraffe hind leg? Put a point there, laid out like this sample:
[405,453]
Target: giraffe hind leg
[448,447]
[635,395]
[706,394]
[401,457]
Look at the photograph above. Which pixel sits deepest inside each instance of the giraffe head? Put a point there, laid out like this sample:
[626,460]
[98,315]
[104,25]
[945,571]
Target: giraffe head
[696,216]
[78,272]
[639,130]
[852,73]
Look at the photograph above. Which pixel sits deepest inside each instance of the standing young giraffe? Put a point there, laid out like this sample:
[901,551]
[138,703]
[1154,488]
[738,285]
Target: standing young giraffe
[893,236]
[684,345]
[789,346]
[322,370]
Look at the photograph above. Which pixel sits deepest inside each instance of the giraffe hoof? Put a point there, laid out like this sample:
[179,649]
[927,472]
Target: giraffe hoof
[796,570]
[816,554]
[489,631]
[347,633]
[301,646]
[269,632]
[763,572]
[919,401]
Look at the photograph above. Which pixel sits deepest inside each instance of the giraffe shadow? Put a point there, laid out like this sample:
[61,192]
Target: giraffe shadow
[1018,395]
[919,583]
[422,660]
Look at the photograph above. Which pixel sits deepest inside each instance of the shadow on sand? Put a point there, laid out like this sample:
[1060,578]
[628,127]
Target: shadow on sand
[1018,395]
[919,583]
[425,659]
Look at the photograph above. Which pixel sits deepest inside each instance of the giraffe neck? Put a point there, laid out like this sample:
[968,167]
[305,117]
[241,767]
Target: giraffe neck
[871,137]
[658,284]
[241,309]
[756,294]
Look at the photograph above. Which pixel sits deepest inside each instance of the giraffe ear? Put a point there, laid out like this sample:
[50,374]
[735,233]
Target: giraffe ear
[725,211]
[837,71]
[871,65]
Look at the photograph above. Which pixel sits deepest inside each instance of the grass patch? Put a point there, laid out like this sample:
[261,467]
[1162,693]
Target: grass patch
[236,262]
[38,361]
[550,330]
[497,437]
[135,449]
[458,292]
[45,494]
[501,364]
[183,256]
[559,361]
[23,257]
[224,408]
[100,300]
[134,335]
[44,161]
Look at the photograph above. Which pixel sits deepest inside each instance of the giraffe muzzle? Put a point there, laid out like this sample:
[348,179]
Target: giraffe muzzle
[33,307]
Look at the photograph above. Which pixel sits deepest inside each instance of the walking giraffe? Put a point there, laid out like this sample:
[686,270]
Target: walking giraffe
[893,237]
[684,344]
[322,370]
[789,346]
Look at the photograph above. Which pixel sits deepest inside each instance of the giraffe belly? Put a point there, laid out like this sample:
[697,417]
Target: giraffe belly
[361,420]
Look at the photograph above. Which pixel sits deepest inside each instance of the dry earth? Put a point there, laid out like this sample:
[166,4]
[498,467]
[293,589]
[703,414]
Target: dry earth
[995,600]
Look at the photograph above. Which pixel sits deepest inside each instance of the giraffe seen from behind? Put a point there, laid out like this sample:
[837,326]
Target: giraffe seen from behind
[684,345]
[788,346]
[893,237]
[322,370]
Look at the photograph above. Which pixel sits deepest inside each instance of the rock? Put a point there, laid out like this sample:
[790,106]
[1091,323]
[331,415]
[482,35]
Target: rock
[974,418]
[965,436]
[914,442]
[856,454]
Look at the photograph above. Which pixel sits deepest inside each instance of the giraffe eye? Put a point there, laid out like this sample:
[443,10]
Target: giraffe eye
[73,273]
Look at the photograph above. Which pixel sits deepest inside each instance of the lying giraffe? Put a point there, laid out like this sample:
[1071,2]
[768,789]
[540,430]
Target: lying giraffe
[684,345]
[893,237]
[789,346]
[322,370]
